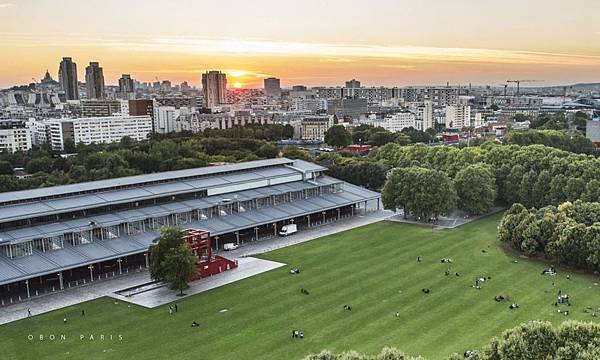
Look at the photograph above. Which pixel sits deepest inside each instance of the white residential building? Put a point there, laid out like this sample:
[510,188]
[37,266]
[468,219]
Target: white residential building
[398,121]
[39,131]
[15,139]
[98,130]
[423,114]
[458,116]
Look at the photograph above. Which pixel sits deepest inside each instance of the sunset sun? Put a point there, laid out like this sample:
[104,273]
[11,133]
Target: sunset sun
[237,85]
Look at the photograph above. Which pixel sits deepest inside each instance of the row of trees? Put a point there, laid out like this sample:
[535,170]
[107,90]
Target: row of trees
[534,175]
[428,193]
[127,157]
[569,140]
[571,340]
[339,136]
[269,132]
[560,121]
[569,233]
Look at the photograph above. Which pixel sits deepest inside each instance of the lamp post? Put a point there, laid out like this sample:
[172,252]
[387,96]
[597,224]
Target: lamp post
[256,233]
[323,212]
[119,260]
[91,267]
[27,285]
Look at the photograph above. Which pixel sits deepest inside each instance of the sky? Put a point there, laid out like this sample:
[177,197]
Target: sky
[309,42]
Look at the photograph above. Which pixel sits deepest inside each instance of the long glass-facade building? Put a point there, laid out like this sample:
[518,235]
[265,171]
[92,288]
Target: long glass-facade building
[63,236]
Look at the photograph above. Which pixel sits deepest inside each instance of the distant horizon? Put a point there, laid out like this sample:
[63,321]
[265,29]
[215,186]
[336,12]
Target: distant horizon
[386,43]
[198,85]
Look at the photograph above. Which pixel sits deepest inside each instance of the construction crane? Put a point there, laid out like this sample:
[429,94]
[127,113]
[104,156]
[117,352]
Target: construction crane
[505,86]
[518,82]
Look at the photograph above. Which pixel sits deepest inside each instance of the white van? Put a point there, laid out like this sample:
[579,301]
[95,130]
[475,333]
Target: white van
[230,246]
[288,229]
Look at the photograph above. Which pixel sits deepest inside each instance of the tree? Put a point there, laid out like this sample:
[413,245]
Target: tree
[388,353]
[476,189]
[169,238]
[338,136]
[180,266]
[381,137]
[5,168]
[424,193]
[513,183]
[267,151]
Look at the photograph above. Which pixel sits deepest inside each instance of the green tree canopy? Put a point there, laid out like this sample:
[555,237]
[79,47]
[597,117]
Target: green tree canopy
[338,136]
[424,193]
[475,188]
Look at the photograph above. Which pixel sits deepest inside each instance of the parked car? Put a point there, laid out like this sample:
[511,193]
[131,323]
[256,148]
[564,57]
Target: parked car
[230,246]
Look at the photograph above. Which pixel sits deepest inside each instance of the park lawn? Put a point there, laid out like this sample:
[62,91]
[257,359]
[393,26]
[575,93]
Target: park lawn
[373,268]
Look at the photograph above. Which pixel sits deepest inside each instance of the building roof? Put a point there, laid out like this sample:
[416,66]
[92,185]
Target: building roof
[130,181]
[117,217]
[43,263]
[132,194]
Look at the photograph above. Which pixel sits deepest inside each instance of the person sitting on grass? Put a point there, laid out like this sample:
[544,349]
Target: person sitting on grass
[513,306]
[425,290]
[195,324]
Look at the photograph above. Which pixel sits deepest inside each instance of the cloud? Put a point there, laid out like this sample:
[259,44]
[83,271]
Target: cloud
[8,5]
[334,52]
[399,66]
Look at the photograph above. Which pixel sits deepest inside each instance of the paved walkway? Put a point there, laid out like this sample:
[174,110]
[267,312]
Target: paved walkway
[304,234]
[247,267]
[456,219]
[97,289]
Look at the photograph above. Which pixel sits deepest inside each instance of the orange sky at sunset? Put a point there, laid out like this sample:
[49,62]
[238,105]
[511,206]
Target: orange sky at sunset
[319,43]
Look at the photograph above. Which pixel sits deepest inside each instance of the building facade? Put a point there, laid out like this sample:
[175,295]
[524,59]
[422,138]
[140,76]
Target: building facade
[94,81]
[126,87]
[315,127]
[272,87]
[98,130]
[100,108]
[458,116]
[214,88]
[399,121]
[67,77]
[15,139]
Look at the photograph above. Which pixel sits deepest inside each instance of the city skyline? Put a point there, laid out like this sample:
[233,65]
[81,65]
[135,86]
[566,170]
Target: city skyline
[392,43]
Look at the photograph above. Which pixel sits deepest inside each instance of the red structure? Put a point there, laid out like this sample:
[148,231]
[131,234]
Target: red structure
[359,149]
[200,243]
[450,138]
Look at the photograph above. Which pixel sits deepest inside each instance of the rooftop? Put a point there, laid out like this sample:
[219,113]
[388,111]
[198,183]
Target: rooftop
[145,179]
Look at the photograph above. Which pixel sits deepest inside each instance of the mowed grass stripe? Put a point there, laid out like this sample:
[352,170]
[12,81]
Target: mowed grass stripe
[374,268]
